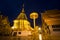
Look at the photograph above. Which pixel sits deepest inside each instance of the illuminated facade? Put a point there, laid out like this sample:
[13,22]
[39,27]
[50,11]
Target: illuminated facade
[51,23]
[22,23]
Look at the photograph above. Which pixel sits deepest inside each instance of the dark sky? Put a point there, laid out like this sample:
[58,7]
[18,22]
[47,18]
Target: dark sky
[12,8]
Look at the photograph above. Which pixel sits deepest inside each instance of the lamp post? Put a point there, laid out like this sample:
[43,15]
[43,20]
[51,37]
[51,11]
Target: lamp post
[34,15]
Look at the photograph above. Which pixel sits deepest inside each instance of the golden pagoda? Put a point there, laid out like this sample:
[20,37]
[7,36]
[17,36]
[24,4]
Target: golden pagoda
[21,22]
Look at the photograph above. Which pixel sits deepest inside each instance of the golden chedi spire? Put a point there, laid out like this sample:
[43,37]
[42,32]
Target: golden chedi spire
[22,15]
[23,8]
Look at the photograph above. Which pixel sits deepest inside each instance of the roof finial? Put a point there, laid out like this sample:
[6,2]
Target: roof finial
[23,8]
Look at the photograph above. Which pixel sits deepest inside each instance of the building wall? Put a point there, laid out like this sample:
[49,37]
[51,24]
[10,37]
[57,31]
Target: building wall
[51,18]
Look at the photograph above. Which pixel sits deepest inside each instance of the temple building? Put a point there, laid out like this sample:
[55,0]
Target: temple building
[21,23]
[5,28]
[51,24]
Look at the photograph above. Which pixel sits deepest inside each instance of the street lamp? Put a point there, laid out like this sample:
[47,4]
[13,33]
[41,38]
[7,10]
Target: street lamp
[34,15]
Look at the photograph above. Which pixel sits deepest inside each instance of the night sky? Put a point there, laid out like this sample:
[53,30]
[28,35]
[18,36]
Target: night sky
[12,8]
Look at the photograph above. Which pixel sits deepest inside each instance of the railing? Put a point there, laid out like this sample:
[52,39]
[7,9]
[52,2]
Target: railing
[27,38]
[15,38]
[52,38]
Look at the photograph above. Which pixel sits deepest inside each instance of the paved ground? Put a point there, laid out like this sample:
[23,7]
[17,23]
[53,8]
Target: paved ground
[26,38]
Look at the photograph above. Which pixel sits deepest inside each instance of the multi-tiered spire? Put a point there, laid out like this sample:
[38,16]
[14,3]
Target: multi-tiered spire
[22,15]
